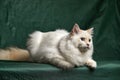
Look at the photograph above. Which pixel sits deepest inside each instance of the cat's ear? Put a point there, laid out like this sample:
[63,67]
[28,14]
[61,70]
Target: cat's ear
[75,29]
[90,31]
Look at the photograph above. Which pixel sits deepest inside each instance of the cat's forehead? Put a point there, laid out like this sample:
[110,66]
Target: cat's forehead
[85,34]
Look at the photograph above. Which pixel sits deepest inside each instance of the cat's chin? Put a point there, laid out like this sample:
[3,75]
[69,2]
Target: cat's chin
[83,49]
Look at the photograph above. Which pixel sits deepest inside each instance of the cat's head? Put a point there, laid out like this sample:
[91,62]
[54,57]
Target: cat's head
[81,39]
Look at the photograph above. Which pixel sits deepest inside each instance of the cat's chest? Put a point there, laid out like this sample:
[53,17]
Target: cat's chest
[83,57]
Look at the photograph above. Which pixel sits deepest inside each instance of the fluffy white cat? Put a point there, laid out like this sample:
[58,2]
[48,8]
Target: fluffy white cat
[63,49]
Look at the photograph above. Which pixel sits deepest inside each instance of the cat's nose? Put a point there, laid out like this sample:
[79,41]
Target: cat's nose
[88,45]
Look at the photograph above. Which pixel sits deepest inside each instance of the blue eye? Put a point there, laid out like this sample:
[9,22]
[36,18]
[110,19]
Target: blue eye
[82,38]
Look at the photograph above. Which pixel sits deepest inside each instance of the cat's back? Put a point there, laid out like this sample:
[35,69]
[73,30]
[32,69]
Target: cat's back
[55,34]
[37,35]
[52,38]
[40,41]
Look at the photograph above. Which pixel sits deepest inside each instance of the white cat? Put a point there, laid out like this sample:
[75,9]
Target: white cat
[63,49]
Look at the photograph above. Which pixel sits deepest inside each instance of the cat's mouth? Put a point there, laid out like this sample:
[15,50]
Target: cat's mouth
[83,49]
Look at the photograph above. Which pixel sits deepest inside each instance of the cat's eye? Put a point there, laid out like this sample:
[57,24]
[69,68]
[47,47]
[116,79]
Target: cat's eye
[82,38]
[89,40]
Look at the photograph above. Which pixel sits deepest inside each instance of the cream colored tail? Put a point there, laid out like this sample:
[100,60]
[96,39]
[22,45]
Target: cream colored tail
[14,54]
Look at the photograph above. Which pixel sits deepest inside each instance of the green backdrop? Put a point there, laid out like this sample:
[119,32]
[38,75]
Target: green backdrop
[19,18]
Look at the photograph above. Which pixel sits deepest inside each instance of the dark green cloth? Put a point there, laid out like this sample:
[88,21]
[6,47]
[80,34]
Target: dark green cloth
[33,71]
[19,18]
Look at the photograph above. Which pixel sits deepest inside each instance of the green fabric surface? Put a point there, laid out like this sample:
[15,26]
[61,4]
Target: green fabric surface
[33,71]
[19,18]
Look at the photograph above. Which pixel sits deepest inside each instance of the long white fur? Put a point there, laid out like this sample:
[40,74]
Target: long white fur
[57,48]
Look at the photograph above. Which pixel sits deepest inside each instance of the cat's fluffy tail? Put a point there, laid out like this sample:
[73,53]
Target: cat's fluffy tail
[14,54]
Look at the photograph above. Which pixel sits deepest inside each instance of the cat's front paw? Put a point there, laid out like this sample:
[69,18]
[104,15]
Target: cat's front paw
[91,64]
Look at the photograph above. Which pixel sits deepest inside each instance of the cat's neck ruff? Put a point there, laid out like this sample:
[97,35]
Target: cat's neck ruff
[65,46]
